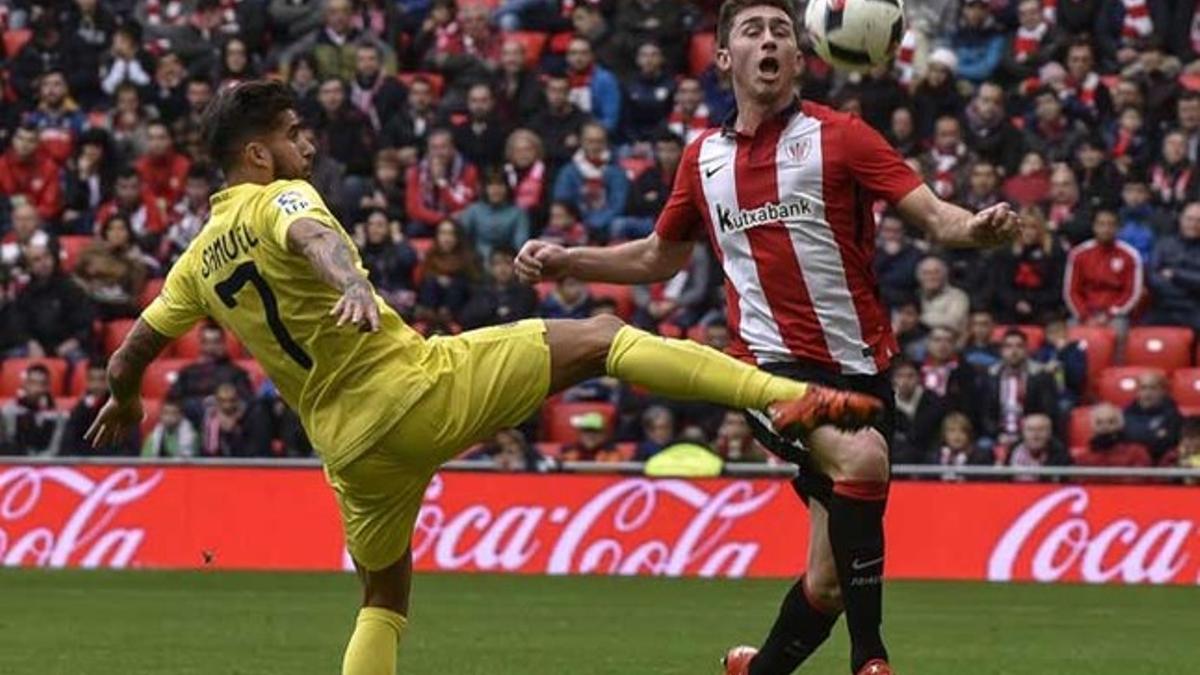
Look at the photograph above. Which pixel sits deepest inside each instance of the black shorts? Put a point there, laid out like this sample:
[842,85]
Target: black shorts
[810,483]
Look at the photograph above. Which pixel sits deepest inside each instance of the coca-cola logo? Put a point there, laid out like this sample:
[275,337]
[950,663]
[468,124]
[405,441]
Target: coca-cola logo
[1072,546]
[84,537]
[630,527]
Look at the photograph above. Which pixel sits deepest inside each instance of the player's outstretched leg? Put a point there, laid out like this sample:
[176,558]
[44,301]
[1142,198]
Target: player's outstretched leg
[685,370]
[381,620]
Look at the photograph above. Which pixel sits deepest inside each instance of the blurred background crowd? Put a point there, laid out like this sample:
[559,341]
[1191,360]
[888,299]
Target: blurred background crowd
[449,133]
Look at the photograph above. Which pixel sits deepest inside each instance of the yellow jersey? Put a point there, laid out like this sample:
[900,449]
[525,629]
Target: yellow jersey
[347,386]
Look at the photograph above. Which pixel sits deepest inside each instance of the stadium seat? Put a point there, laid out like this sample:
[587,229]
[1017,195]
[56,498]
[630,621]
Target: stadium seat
[1118,384]
[150,292]
[160,375]
[14,40]
[621,294]
[12,375]
[1185,387]
[187,346]
[114,332]
[1099,343]
[77,383]
[435,81]
[1165,347]
[1034,335]
[1080,429]
[69,249]
[533,42]
[257,374]
[700,52]
[556,419]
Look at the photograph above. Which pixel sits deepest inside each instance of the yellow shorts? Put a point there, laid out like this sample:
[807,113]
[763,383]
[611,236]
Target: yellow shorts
[484,381]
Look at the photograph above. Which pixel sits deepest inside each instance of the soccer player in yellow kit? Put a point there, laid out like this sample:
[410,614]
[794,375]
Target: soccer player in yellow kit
[383,406]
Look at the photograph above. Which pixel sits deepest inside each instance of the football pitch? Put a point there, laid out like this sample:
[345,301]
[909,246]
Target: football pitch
[216,623]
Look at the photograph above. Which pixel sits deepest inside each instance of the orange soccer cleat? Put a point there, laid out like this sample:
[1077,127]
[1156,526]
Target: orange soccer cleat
[876,667]
[737,660]
[819,405]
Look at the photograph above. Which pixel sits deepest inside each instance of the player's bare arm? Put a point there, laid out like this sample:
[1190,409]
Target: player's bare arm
[641,261]
[123,409]
[955,226]
[332,259]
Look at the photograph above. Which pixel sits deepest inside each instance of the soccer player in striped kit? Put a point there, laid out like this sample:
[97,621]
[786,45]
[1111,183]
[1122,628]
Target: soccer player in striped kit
[784,193]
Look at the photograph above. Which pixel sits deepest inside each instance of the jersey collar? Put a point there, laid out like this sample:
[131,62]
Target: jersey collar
[729,126]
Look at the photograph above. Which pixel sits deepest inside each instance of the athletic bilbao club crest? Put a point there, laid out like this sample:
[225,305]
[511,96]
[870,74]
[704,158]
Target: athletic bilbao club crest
[798,151]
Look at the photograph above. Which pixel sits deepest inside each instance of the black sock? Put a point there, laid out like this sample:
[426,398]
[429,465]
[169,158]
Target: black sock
[856,535]
[798,631]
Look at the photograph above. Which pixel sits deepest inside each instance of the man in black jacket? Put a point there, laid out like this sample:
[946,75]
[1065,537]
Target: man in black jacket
[1152,418]
[919,414]
[502,298]
[199,381]
[1174,273]
[480,135]
[1015,387]
[54,311]
[650,190]
[559,124]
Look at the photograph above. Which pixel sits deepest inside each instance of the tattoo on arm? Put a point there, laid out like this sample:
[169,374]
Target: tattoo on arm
[127,365]
[330,256]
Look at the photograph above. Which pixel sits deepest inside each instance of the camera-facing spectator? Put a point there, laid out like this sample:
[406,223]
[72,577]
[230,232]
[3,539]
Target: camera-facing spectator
[1098,177]
[681,300]
[440,186]
[1126,140]
[1103,277]
[1031,184]
[509,451]
[560,123]
[594,183]
[1028,276]
[649,191]
[224,431]
[407,130]
[88,181]
[385,192]
[1037,448]
[937,95]
[343,132]
[983,186]
[896,260]
[114,270]
[200,379]
[26,173]
[919,412]
[1087,97]
[690,115]
[1189,444]
[957,447]
[979,350]
[569,299]
[593,89]
[658,432]
[648,95]
[188,216]
[735,440]
[31,423]
[494,220]
[909,331]
[448,272]
[1139,219]
[944,373]
[373,92]
[237,64]
[85,412]
[141,213]
[390,262]
[948,162]
[525,171]
[1015,387]
[54,310]
[56,117]
[902,133]
[173,436]
[1152,418]
[1173,178]
[942,305]
[1066,360]
[501,298]
[480,135]
[127,62]
[564,226]
[1174,275]
[162,170]
[978,42]
[1108,445]
[28,231]
[518,91]
[1035,42]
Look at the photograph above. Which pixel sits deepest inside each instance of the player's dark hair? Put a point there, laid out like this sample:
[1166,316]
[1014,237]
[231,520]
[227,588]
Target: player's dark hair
[242,113]
[731,8]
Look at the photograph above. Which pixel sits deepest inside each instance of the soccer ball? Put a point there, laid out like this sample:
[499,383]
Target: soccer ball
[855,34]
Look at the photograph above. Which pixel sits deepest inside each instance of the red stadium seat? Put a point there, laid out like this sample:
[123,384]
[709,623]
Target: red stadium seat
[69,249]
[435,81]
[700,52]
[1080,429]
[187,346]
[12,375]
[1034,335]
[1118,384]
[1165,347]
[160,376]
[150,292]
[113,334]
[1099,343]
[77,384]
[533,42]
[257,374]
[556,419]
[621,294]
[1185,387]
[14,40]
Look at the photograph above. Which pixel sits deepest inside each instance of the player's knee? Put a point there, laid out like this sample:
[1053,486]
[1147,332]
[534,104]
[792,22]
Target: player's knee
[822,589]
[605,327]
[862,457]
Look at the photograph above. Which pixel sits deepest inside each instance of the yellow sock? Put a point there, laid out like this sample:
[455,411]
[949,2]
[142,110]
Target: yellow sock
[685,370]
[372,648]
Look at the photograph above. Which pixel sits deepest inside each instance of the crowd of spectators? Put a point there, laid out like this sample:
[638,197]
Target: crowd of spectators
[449,133]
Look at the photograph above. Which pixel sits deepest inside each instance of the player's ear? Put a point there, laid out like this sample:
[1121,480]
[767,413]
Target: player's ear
[257,155]
[722,59]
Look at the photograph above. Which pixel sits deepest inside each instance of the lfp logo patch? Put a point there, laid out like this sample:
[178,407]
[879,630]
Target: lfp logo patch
[291,202]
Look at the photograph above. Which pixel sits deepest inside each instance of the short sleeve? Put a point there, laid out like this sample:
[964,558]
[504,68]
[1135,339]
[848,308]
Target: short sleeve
[178,307]
[291,201]
[875,164]
[680,219]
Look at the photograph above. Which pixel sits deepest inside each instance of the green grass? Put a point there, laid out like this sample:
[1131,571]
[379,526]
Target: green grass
[127,623]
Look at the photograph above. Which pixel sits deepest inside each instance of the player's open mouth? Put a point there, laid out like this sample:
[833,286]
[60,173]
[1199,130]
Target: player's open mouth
[768,66]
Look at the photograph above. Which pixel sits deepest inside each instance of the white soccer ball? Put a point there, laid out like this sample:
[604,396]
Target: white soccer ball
[855,34]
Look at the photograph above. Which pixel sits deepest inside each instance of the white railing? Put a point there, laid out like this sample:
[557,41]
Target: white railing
[747,470]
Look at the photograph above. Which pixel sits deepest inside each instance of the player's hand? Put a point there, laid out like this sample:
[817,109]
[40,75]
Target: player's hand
[541,261]
[994,226]
[114,421]
[357,307]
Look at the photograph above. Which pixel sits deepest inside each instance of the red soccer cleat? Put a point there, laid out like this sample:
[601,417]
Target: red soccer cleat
[876,667]
[819,405]
[737,660]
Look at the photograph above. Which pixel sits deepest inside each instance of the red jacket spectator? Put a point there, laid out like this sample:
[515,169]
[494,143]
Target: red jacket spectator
[1121,454]
[25,172]
[1104,276]
[164,177]
[440,185]
[145,216]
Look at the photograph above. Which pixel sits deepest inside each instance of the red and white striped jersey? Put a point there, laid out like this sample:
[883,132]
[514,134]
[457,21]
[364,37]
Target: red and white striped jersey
[788,213]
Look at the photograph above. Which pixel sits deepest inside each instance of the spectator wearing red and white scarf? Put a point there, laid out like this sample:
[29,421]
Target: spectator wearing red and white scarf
[1173,179]
[946,163]
[1087,98]
[525,170]
[596,186]
[440,186]
[690,116]
[1034,43]
[1123,28]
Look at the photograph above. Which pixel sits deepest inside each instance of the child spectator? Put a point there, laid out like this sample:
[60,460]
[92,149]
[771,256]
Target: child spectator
[564,226]
[570,299]
[958,448]
[31,423]
[658,431]
[594,443]
[1066,360]
[495,221]
[735,440]
[173,436]
[1139,219]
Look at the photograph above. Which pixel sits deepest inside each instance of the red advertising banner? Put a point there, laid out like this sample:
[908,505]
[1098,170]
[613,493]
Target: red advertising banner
[285,518]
